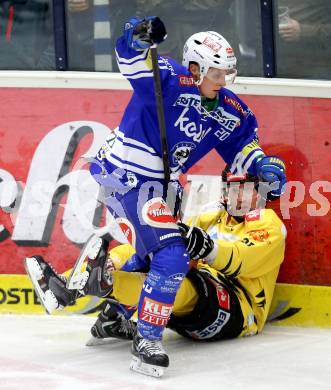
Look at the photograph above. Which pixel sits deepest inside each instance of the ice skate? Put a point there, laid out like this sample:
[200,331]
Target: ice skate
[149,357]
[111,324]
[95,280]
[49,286]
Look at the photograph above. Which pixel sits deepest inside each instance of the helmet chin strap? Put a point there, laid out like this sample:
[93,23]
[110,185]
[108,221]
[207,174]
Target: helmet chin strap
[200,80]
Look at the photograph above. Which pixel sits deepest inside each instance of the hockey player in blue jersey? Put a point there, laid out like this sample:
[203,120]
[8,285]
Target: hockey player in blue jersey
[200,115]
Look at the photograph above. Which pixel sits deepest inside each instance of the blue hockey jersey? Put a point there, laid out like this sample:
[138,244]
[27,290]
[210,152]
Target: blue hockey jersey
[192,132]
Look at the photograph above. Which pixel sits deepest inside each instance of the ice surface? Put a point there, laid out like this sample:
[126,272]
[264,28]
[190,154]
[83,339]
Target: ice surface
[47,352]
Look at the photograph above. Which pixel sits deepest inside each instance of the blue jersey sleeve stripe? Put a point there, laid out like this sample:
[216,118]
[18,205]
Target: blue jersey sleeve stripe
[133,60]
[141,76]
[140,72]
[127,142]
[126,162]
[134,142]
[135,167]
[121,61]
[139,148]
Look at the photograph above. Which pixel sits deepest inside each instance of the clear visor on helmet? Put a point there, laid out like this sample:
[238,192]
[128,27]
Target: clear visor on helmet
[221,75]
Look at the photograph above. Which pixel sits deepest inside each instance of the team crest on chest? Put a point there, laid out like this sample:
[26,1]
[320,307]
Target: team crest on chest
[181,151]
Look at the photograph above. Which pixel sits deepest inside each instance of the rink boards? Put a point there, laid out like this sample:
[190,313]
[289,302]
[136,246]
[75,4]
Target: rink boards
[296,305]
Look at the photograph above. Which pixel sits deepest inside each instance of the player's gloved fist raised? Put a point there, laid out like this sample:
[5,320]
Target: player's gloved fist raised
[198,243]
[140,34]
[271,169]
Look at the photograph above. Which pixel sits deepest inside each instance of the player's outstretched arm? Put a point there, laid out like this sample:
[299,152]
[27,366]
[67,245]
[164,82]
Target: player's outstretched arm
[134,58]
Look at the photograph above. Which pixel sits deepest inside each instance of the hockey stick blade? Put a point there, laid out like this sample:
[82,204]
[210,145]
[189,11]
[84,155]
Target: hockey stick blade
[78,277]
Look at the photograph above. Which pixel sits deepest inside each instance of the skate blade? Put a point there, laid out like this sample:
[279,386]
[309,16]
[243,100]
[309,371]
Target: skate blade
[46,298]
[146,369]
[76,280]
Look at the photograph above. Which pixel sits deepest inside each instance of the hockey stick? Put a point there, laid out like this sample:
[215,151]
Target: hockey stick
[160,114]
[76,279]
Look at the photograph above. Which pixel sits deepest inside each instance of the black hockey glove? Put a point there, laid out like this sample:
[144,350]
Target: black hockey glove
[140,34]
[198,243]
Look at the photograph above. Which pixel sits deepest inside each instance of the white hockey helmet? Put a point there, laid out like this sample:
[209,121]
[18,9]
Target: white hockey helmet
[210,49]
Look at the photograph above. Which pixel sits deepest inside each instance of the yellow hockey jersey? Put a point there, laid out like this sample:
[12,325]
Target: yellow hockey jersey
[248,257]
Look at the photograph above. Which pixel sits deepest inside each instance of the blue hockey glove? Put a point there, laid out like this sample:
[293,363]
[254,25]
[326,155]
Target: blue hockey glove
[140,34]
[271,169]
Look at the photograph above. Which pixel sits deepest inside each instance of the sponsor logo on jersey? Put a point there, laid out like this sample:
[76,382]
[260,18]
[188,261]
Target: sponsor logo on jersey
[128,230]
[222,295]
[188,100]
[154,312]
[191,130]
[225,119]
[254,215]
[213,329]
[235,104]
[214,46]
[157,213]
[223,298]
[228,122]
[186,81]
[259,235]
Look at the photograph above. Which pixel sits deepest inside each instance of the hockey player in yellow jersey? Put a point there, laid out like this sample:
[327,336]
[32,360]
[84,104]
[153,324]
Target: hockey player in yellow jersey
[232,287]
[236,247]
